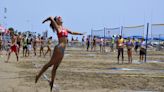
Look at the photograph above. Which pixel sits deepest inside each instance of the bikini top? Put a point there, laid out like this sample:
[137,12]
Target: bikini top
[63,33]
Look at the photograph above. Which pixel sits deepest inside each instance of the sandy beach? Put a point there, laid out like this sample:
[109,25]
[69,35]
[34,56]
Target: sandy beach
[82,71]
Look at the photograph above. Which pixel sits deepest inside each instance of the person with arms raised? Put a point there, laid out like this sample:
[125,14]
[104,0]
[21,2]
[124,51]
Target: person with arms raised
[56,24]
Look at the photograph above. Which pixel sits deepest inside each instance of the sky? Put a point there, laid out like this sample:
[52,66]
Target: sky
[80,15]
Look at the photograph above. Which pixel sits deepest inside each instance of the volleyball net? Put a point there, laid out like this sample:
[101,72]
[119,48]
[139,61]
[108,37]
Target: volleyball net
[133,31]
[98,33]
[106,32]
[112,32]
[157,32]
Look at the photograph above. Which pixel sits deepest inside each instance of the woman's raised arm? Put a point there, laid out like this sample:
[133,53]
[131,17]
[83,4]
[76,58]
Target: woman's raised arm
[53,23]
[74,33]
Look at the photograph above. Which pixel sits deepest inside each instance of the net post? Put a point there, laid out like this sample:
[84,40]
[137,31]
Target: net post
[159,46]
[91,33]
[147,31]
[121,31]
[104,39]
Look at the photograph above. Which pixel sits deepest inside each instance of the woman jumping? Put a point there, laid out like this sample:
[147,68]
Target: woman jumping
[58,54]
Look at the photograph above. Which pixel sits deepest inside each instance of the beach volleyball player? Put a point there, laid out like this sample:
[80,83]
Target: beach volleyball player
[58,54]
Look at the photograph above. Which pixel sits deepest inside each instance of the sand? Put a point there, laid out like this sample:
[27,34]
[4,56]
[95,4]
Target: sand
[82,71]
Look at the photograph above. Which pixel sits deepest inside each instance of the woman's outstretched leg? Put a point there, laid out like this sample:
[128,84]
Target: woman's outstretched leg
[45,67]
[53,73]
[53,60]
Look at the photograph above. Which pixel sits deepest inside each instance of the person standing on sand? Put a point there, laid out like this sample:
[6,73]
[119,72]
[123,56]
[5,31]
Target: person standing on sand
[142,50]
[129,45]
[136,45]
[29,44]
[112,43]
[49,42]
[19,40]
[88,42]
[83,42]
[34,44]
[13,47]
[120,47]
[94,44]
[56,24]
[41,46]
[24,42]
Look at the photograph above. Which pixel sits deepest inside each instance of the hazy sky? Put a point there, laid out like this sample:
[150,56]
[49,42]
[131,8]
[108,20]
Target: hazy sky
[80,15]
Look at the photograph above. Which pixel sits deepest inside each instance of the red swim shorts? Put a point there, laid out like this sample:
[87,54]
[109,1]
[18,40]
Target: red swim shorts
[14,48]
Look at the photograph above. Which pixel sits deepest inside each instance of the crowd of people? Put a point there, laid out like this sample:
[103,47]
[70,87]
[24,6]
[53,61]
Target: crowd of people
[117,43]
[27,43]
